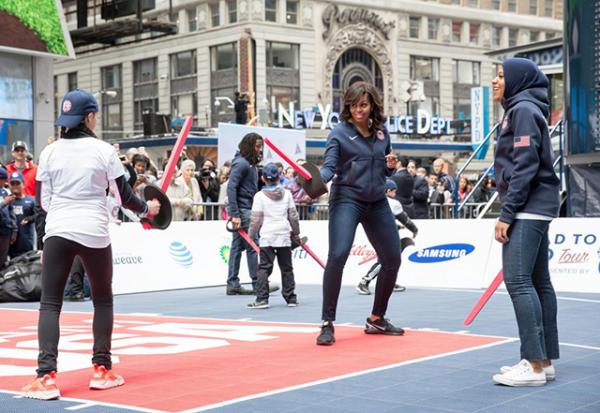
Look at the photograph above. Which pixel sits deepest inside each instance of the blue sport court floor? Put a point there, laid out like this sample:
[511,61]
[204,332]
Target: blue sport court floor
[200,350]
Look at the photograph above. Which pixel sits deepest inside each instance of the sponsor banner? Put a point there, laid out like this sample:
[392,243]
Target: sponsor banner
[446,254]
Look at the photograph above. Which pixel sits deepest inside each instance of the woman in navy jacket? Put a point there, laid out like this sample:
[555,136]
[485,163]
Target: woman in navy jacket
[528,189]
[358,158]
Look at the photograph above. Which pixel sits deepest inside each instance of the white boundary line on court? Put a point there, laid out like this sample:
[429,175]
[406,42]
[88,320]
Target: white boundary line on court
[503,292]
[344,376]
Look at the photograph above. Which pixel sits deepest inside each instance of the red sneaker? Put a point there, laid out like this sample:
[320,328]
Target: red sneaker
[105,379]
[42,388]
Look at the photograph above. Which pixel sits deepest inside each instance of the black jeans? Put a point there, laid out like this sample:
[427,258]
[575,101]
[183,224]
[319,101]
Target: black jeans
[380,226]
[57,258]
[265,268]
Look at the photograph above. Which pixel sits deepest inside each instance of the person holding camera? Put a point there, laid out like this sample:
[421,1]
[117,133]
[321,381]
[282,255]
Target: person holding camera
[209,187]
[8,221]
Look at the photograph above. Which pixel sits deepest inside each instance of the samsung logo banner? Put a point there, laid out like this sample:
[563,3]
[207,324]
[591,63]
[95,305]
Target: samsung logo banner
[440,253]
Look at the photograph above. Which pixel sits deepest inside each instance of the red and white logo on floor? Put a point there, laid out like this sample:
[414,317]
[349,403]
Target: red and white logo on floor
[176,363]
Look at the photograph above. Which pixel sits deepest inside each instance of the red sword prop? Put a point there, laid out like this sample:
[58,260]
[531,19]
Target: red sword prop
[484,299]
[298,168]
[249,240]
[165,181]
[310,252]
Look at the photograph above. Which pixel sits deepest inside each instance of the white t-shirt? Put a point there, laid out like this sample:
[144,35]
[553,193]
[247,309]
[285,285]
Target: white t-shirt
[395,206]
[275,231]
[75,174]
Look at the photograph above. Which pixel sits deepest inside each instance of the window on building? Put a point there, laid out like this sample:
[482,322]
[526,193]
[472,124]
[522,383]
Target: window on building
[473,3]
[112,107]
[223,81]
[424,68]
[457,2]
[192,20]
[550,35]
[414,27]
[214,14]
[496,4]
[291,11]
[534,35]
[512,37]
[549,8]
[474,33]
[184,84]
[456,31]
[232,10]
[283,73]
[271,10]
[466,72]
[145,90]
[496,36]
[432,28]
[512,5]
[533,7]
[72,81]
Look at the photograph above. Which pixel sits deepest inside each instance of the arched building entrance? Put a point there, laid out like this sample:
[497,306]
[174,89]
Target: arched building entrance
[354,65]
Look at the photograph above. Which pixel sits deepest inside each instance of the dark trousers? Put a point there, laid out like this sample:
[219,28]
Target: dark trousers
[380,226]
[527,279]
[57,258]
[238,244]
[77,273]
[4,247]
[265,268]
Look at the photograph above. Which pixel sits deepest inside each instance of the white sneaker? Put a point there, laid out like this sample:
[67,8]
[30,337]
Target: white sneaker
[550,371]
[521,375]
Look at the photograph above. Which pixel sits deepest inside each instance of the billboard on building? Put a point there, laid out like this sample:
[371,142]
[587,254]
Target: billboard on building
[35,28]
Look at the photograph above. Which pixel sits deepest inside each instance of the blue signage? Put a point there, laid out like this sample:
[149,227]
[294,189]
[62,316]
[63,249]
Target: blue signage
[440,253]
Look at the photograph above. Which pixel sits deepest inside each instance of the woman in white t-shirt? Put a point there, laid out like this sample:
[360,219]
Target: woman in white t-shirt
[73,177]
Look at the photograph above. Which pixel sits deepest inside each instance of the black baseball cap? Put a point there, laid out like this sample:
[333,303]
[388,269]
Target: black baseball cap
[74,107]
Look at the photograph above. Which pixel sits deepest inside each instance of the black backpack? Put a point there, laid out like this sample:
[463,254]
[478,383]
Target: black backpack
[21,280]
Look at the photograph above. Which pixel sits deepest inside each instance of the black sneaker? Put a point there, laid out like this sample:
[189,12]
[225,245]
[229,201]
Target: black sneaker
[259,304]
[292,302]
[363,288]
[382,326]
[326,338]
[399,288]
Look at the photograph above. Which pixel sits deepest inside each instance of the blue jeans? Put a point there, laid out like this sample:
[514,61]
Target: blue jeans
[380,226]
[238,244]
[527,279]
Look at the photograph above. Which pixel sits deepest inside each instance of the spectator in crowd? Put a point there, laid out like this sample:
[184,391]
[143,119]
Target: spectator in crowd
[432,184]
[209,187]
[301,198]
[180,197]
[274,216]
[279,166]
[195,211]
[241,108]
[223,180]
[485,190]
[405,183]
[241,188]
[8,221]
[289,177]
[462,189]
[140,164]
[20,164]
[23,207]
[438,170]
[420,191]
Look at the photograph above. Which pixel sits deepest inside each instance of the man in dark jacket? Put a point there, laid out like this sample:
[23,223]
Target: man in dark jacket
[242,185]
[8,222]
[420,191]
[405,183]
[438,169]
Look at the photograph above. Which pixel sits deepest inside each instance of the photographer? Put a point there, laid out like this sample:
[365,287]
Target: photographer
[209,188]
[241,108]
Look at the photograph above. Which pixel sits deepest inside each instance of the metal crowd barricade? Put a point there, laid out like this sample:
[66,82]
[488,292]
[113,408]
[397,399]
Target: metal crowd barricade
[214,211]
[446,211]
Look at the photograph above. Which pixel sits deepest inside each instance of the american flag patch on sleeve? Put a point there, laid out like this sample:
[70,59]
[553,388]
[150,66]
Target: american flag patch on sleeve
[521,142]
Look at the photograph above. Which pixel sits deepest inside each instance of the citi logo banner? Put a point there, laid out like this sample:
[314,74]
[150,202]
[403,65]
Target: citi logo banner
[440,253]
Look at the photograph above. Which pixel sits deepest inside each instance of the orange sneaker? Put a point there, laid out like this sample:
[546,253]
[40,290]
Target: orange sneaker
[105,379]
[42,388]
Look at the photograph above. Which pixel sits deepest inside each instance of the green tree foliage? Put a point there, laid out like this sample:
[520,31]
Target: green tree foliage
[41,17]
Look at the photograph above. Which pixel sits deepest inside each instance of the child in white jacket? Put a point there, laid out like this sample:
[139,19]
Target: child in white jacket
[274,215]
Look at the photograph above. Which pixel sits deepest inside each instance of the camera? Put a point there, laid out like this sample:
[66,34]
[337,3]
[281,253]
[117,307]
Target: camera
[207,173]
